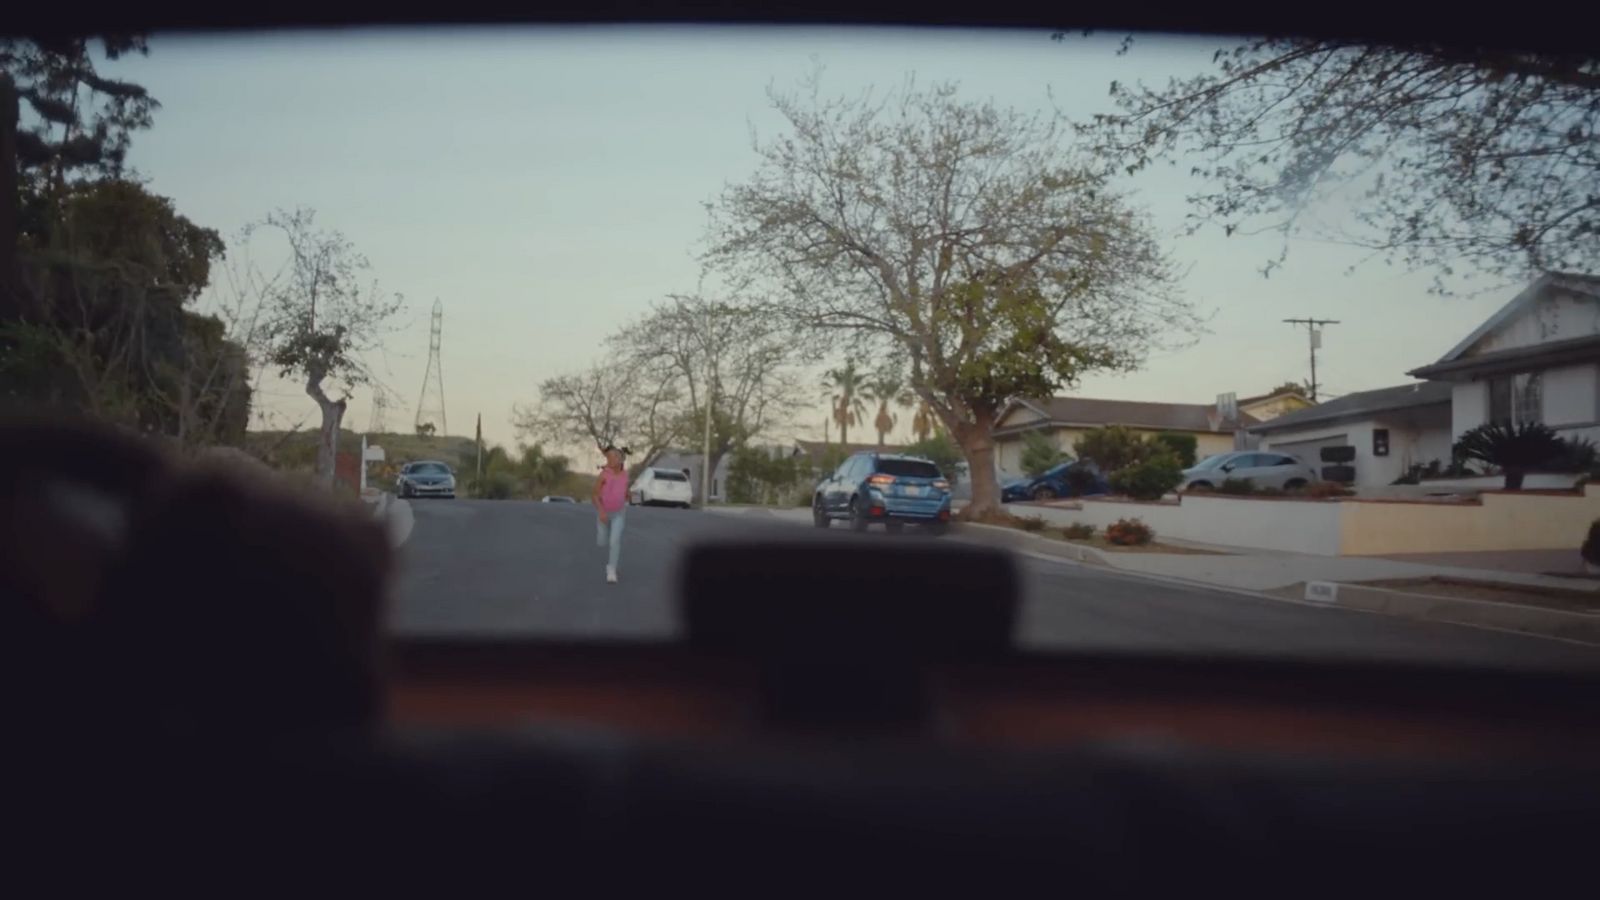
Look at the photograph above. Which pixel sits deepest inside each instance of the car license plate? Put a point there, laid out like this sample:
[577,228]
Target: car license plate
[914,490]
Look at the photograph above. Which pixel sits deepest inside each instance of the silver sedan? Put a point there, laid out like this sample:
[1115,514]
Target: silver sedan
[1263,468]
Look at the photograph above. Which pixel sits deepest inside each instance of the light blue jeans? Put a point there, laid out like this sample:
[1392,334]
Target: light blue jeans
[611,531]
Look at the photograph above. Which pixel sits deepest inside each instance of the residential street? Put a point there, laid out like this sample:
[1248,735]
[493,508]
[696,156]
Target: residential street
[509,567]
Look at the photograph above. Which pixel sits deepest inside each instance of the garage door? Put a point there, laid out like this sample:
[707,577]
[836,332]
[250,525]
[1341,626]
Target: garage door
[1310,451]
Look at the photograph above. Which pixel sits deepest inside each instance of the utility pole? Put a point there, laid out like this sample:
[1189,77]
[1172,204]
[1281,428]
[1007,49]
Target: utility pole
[478,439]
[705,461]
[1315,336]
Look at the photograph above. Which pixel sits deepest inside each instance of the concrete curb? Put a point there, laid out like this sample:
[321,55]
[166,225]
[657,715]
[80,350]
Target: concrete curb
[1581,628]
[1012,539]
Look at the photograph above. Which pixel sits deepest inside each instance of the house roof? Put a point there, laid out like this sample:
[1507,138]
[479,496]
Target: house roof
[1084,411]
[1515,359]
[1259,398]
[1360,404]
[1582,284]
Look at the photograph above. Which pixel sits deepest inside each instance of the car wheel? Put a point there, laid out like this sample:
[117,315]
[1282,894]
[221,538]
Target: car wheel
[858,516]
[1044,492]
[819,516]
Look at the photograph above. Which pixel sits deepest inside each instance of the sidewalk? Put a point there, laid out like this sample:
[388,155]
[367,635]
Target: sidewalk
[1329,580]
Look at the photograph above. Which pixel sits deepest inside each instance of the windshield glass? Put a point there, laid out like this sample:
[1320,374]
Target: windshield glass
[758,253]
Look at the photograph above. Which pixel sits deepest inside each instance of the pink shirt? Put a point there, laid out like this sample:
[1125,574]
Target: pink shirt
[613,489]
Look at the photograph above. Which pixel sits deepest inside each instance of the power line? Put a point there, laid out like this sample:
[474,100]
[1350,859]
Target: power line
[1314,334]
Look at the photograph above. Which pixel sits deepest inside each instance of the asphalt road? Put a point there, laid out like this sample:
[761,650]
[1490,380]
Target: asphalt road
[497,568]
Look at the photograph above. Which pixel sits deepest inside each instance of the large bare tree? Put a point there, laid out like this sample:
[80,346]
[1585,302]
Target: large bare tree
[964,237]
[609,402]
[1451,160]
[323,320]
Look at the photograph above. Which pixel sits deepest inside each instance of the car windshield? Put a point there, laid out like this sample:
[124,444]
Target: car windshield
[908,468]
[770,256]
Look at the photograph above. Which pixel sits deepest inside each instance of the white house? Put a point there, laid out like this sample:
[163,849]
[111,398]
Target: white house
[1391,429]
[1536,360]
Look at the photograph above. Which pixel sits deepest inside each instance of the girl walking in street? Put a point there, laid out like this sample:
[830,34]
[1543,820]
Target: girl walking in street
[611,506]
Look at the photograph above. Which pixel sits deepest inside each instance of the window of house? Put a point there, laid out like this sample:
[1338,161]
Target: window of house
[1516,399]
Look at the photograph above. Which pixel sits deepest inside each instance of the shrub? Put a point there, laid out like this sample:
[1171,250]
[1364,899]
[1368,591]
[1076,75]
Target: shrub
[1322,490]
[1078,531]
[497,486]
[1113,447]
[1129,533]
[1591,545]
[1149,479]
[1515,449]
[942,452]
[1040,454]
[1183,446]
[1241,487]
[1030,523]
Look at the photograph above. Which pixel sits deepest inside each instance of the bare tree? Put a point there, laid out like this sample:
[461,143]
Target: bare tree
[1484,161]
[964,237]
[607,403]
[728,361]
[323,321]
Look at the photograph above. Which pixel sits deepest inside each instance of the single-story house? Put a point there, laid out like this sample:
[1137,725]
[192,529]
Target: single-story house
[1064,419]
[1390,428]
[1536,360]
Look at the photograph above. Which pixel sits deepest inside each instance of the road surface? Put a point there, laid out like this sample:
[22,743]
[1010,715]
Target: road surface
[472,567]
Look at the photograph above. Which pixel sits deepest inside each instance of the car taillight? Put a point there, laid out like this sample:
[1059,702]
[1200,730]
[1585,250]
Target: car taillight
[881,479]
[942,485]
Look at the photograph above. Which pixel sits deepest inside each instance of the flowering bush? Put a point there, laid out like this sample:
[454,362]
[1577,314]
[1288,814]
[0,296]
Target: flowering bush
[1078,531]
[1129,533]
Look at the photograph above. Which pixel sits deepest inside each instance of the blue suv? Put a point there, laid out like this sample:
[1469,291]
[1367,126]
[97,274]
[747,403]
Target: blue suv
[886,488]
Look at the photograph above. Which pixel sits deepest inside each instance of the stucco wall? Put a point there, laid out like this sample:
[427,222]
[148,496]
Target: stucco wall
[1558,316]
[1502,521]
[1469,406]
[1572,396]
[1286,525]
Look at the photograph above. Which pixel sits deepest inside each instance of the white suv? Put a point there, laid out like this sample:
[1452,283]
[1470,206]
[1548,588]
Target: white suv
[661,486]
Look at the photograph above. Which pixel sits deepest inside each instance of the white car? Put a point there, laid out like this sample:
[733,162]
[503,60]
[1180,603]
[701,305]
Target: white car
[1264,468]
[666,487]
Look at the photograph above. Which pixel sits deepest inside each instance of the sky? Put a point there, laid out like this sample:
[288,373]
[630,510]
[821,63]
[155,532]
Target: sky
[547,185]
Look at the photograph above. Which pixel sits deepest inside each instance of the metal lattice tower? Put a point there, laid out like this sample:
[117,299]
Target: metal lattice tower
[430,406]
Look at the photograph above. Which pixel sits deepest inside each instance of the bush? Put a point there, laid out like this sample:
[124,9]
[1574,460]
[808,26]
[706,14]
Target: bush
[1321,490]
[1591,545]
[1078,531]
[496,486]
[942,452]
[1129,533]
[1515,449]
[1149,479]
[1030,523]
[1183,446]
[1113,447]
[1040,454]
[1240,487]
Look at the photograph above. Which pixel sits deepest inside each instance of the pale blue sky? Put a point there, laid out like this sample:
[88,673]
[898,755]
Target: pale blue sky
[547,184]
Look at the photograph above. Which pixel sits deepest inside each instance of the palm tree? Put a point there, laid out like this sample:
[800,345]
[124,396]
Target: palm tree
[887,387]
[847,387]
[924,424]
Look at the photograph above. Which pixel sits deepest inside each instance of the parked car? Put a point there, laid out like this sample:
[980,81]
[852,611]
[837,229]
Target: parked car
[1263,468]
[1076,478]
[883,487]
[548,498]
[666,487]
[426,478]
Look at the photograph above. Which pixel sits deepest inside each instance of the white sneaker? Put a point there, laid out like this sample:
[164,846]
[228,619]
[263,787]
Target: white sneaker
[611,575]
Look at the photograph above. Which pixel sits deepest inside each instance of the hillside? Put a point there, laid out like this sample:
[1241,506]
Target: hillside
[300,448]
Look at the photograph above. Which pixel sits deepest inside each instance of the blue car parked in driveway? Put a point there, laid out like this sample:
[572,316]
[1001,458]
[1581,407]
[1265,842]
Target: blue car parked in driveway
[885,488]
[1078,478]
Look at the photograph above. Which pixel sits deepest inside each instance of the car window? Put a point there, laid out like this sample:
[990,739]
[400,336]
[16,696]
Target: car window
[908,468]
[668,475]
[1212,461]
[429,469]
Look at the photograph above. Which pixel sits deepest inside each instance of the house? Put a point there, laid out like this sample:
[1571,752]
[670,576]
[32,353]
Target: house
[1270,406]
[1064,419]
[1391,429]
[1535,360]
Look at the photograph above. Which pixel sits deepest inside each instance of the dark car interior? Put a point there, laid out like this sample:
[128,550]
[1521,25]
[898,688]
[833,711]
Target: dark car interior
[798,732]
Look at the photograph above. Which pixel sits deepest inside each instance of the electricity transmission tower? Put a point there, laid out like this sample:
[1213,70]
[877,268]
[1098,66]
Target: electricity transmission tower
[379,423]
[430,406]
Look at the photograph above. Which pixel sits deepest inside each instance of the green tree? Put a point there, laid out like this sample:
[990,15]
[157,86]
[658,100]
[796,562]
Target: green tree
[1149,478]
[1465,158]
[1183,447]
[1040,454]
[1514,449]
[1113,448]
[964,237]
[942,452]
[887,388]
[324,320]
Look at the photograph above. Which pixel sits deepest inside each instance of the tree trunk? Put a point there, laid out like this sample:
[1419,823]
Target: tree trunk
[977,445]
[328,436]
[11,306]
[1514,479]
